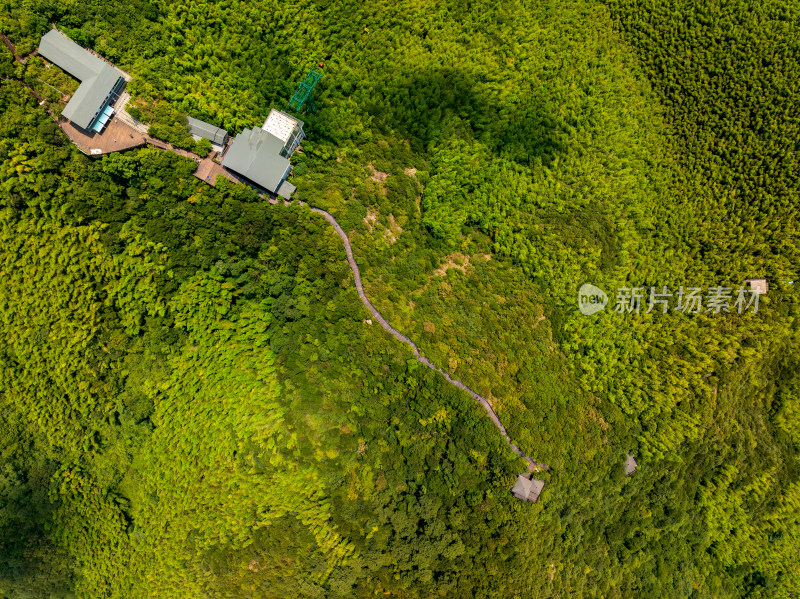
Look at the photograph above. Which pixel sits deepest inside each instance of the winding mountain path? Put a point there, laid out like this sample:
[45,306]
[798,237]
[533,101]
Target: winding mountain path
[356,276]
[28,87]
[417,354]
[13,48]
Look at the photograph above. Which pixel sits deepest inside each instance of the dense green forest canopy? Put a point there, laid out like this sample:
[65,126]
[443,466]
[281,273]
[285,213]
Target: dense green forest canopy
[193,402]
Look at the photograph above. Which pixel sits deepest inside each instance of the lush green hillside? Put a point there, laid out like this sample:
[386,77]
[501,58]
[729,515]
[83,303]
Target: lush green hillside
[193,403]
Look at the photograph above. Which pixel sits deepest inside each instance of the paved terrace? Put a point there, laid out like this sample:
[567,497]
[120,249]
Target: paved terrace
[207,169]
[116,137]
[119,136]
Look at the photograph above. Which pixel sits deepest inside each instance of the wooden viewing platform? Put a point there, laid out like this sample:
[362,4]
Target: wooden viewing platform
[117,136]
[208,171]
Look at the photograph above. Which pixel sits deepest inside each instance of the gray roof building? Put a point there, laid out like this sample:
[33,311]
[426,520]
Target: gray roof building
[262,155]
[630,465]
[200,129]
[99,80]
[527,489]
[286,128]
[286,190]
[256,155]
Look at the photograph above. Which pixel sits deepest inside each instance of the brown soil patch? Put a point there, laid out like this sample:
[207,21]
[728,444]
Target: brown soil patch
[459,261]
[379,177]
[597,418]
[502,365]
[452,362]
[394,230]
[371,218]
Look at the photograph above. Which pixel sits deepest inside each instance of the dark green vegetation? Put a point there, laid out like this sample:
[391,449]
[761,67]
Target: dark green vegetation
[192,404]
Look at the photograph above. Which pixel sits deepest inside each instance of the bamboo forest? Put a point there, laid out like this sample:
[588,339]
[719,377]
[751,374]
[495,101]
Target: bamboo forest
[516,317]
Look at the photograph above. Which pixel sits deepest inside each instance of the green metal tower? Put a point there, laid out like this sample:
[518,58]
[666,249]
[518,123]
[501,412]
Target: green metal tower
[303,92]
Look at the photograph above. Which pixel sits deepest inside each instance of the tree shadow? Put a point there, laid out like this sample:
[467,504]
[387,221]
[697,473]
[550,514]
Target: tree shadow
[530,134]
[432,104]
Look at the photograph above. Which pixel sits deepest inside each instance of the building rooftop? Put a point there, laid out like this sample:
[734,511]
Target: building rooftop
[630,465]
[760,286]
[286,190]
[527,489]
[202,129]
[281,125]
[98,78]
[255,154]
